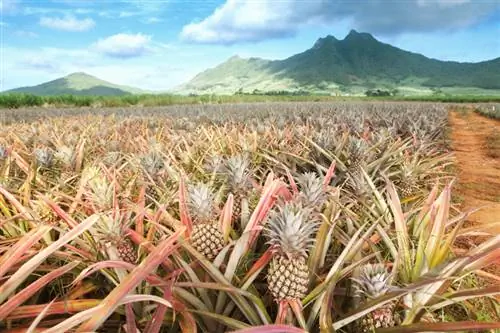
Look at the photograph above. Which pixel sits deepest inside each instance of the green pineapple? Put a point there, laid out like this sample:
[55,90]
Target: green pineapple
[206,238]
[372,283]
[290,236]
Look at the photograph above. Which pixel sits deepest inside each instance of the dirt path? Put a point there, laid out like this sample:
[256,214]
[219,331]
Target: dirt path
[478,172]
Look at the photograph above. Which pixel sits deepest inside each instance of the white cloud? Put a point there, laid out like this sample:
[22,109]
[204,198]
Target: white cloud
[67,23]
[124,45]
[26,34]
[251,21]
[8,6]
[153,20]
[154,72]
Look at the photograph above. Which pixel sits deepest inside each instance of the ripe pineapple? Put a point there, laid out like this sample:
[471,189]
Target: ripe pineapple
[111,236]
[290,235]
[206,237]
[372,283]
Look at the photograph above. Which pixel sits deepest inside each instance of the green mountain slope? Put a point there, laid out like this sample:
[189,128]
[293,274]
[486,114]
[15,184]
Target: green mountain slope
[359,60]
[78,84]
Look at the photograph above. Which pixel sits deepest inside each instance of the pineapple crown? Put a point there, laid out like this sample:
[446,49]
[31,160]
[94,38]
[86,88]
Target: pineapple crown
[311,189]
[200,202]
[64,154]
[3,153]
[44,156]
[152,163]
[237,170]
[290,230]
[373,281]
[213,164]
[109,228]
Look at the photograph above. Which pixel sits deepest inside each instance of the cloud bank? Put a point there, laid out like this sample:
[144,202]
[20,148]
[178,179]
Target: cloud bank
[124,45]
[252,21]
[67,23]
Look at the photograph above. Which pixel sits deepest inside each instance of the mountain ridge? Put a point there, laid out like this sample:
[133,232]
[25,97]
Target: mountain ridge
[78,83]
[357,60]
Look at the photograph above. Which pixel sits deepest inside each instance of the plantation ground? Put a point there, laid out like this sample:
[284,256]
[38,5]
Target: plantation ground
[478,170]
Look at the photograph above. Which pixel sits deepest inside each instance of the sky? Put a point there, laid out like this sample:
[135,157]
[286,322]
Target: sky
[158,44]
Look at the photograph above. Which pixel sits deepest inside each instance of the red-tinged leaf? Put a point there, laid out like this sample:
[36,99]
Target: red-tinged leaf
[183,210]
[227,217]
[269,180]
[39,318]
[293,185]
[187,321]
[79,155]
[62,307]
[266,201]
[460,326]
[81,290]
[141,204]
[130,318]
[83,253]
[154,325]
[15,252]
[23,295]
[23,165]
[329,174]
[24,271]
[60,212]
[464,295]
[296,307]
[139,240]
[271,329]
[262,262]
[283,307]
[17,205]
[148,265]
[151,278]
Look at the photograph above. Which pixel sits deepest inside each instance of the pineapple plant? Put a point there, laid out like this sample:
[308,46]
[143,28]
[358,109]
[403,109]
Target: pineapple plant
[206,238]
[111,236]
[373,282]
[357,150]
[238,178]
[312,193]
[289,232]
[44,157]
[407,184]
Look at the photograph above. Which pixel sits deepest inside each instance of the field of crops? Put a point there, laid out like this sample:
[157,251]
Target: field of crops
[489,110]
[215,218]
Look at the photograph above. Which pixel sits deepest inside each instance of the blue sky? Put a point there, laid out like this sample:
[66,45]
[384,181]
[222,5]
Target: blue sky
[159,44]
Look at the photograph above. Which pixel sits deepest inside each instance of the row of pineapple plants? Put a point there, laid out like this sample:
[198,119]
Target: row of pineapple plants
[491,110]
[334,218]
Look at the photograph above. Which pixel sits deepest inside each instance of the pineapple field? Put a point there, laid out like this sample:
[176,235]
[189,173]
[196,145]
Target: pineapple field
[248,217]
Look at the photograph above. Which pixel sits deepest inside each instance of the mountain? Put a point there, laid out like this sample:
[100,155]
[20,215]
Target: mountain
[357,62]
[78,84]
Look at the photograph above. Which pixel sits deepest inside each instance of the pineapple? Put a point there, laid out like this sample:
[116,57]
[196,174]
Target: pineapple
[374,282]
[238,179]
[206,237]
[44,157]
[312,193]
[357,149]
[290,236]
[408,183]
[111,236]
